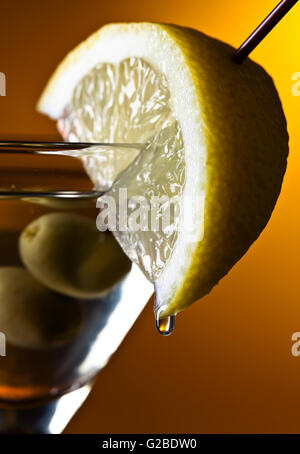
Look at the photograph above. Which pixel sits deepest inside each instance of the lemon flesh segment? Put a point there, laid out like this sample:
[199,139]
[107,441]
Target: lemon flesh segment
[127,102]
[131,102]
[234,139]
[154,185]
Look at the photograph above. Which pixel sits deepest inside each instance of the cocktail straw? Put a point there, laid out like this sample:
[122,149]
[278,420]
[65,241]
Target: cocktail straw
[262,30]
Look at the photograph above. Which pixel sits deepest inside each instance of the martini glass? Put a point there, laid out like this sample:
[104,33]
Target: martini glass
[42,386]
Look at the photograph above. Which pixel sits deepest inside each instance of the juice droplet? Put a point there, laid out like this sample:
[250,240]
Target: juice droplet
[165,326]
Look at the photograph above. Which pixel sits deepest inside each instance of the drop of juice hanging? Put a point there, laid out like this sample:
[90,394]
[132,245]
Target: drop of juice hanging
[165,326]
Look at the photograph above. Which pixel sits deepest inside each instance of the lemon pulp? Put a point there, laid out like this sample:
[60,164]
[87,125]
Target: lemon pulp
[130,102]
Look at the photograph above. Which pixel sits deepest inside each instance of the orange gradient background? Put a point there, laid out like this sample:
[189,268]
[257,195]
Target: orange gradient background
[228,367]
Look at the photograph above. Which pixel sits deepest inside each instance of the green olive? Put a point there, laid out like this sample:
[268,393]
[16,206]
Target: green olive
[68,254]
[32,316]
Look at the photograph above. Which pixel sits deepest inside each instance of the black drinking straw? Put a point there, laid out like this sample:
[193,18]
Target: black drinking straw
[262,30]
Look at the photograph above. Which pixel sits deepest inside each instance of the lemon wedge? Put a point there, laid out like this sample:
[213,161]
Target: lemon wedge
[216,141]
